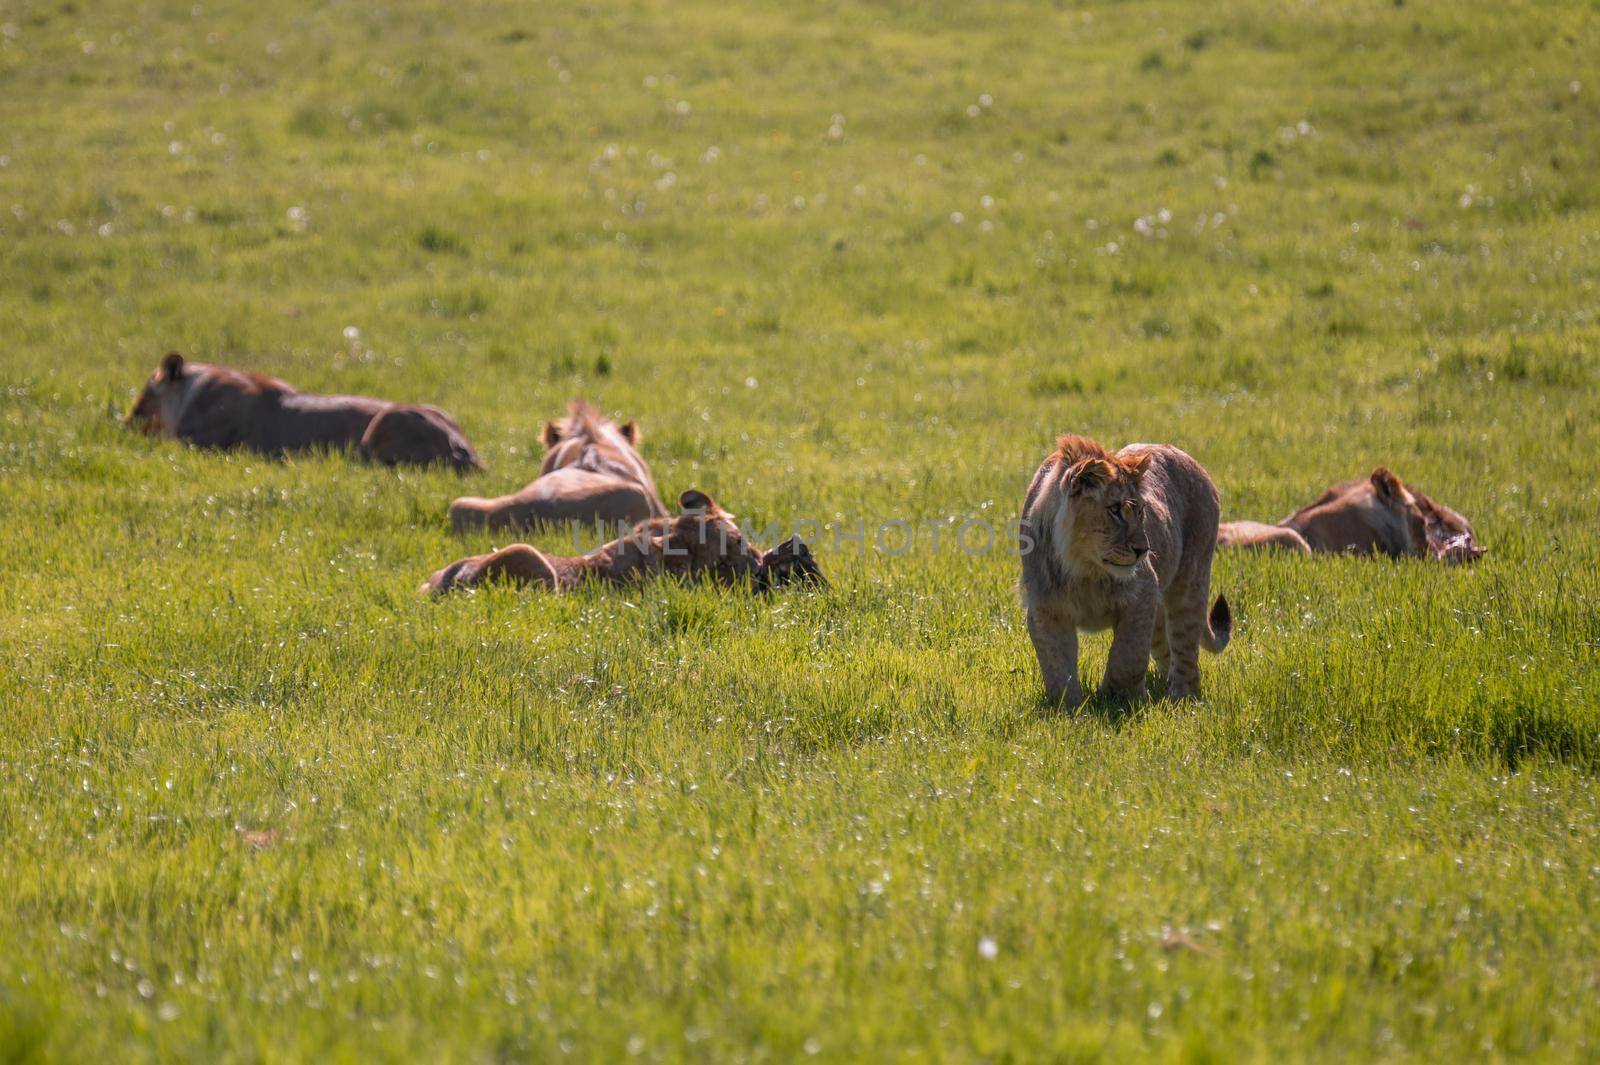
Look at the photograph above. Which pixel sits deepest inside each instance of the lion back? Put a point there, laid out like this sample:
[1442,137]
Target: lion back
[1182,509]
[222,406]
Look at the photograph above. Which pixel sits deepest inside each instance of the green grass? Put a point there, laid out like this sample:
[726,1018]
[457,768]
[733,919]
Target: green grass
[680,824]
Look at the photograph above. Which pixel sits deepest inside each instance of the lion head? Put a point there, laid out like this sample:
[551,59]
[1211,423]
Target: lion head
[586,438]
[1429,529]
[1101,512]
[1405,513]
[706,542]
[1450,535]
[155,412]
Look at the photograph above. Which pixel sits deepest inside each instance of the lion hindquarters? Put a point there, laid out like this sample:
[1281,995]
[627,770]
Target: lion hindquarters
[403,434]
[1261,537]
[518,564]
[471,512]
[565,495]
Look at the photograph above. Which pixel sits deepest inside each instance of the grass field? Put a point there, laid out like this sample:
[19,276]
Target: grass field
[847,263]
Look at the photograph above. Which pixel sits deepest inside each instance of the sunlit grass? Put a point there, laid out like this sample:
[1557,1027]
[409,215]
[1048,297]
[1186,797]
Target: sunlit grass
[844,263]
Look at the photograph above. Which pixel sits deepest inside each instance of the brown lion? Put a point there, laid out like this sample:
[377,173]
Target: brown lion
[702,543]
[218,407]
[592,473]
[1380,515]
[1123,541]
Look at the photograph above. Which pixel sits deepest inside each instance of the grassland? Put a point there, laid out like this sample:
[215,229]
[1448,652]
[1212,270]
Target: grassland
[843,262]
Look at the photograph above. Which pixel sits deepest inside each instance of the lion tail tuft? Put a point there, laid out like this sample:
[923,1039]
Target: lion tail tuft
[1219,626]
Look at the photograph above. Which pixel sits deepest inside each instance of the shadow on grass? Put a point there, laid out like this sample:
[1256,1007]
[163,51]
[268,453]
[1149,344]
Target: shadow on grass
[1519,732]
[1115,711]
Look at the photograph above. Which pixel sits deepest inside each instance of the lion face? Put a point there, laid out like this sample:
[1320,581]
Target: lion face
[1105,513]
[1450,536]
[155,412]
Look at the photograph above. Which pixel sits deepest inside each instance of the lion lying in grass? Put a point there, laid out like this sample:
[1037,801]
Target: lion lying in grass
[592,472]
[218,407]
[1380,515]
[702,543]
[1123,541]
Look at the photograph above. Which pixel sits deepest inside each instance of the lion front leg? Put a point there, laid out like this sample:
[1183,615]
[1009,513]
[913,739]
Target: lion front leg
[1129,659]
[1055,642]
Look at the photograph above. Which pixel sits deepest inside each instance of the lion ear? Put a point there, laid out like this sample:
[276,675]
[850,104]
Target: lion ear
[1138,465]
[1387,485]
[696,501]
[631,433]
[1086,475]
[551,435]
[172,367]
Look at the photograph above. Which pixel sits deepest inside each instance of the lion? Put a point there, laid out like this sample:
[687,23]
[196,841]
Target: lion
[219,407]
[592,473]
[1124,541]
[703,543]
[1378,515]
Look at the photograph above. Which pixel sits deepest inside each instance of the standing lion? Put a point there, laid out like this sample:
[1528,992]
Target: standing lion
[1123,541]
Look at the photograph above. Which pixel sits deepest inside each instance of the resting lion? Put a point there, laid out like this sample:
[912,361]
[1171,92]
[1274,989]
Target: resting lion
[1124,541]
[1381,515]
[591,473]
[218,407]
[703,543]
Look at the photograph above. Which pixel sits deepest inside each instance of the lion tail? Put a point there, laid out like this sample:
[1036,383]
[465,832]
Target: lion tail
[1219,627]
